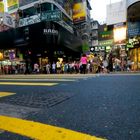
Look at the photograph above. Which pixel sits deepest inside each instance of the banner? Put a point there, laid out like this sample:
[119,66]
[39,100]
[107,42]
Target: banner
[12,4]
[79,12]
[25,2]
[1,7]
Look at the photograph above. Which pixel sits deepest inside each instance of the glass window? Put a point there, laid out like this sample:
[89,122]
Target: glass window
[46,6]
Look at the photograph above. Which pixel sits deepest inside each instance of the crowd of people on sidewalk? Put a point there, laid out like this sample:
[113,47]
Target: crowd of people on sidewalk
[97,64]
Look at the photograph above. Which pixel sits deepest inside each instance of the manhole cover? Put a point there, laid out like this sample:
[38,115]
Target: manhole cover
[38,100]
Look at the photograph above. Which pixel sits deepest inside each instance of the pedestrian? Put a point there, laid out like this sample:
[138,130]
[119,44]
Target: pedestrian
[53,68]
[83,61]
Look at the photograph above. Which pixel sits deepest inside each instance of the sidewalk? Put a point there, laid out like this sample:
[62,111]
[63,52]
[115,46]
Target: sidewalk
[61,76]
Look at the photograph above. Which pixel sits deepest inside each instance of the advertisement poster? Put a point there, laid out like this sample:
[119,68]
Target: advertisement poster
[79,12]
[1,6]
[12,4]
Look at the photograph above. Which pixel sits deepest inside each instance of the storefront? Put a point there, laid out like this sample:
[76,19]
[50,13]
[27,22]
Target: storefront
[39,43]
[133,23]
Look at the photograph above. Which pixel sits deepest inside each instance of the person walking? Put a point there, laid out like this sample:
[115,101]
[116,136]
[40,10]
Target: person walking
[83,61]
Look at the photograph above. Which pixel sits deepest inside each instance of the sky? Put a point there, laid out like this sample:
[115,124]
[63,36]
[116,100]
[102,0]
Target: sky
[98,11]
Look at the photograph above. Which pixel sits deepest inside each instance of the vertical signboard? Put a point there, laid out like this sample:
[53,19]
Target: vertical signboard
[1,6]
[12,4]
[79,12]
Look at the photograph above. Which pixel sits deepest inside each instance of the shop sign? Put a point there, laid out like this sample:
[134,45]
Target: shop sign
[133,29]
[106,42]
[50,31]
[9,54]
[100,48]
[30,20]
[51,15]
[106,35]
[48,16]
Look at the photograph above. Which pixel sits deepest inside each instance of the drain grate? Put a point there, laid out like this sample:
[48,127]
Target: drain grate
[38,100]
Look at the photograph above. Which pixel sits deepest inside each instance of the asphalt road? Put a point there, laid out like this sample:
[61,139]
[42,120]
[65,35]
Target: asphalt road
[106,106]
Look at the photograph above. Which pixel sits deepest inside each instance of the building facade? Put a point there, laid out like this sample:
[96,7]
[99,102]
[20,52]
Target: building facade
[82,22]
[42,32]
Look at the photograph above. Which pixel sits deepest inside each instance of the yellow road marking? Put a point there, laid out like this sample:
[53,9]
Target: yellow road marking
[3,94]
[28,84]
[41,131]
[61,80]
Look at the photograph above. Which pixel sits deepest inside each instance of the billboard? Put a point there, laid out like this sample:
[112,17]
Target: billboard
[25,2]
[79,12]
[1,6]
[12,4]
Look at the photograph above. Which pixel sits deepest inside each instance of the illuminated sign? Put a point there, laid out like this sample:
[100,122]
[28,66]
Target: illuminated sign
[119,34]
[106,42]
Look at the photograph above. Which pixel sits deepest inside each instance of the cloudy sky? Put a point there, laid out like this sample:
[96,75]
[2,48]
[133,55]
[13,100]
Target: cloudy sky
[99,9]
